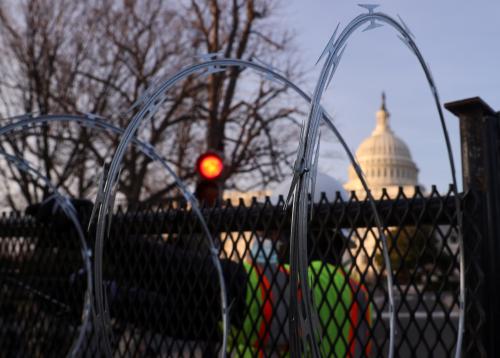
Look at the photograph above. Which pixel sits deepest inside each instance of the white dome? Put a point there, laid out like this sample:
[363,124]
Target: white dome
[384,158]
[324,184]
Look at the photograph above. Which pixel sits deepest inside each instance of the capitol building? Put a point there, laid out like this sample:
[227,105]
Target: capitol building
[387,164]
[385,160]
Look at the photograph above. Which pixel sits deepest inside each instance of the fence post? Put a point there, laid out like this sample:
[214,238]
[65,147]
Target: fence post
[480,144]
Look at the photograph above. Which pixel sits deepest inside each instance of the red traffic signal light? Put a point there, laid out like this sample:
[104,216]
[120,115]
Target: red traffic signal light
[210,166]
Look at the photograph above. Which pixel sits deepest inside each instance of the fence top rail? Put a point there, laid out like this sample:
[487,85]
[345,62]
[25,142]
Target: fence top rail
[432,208]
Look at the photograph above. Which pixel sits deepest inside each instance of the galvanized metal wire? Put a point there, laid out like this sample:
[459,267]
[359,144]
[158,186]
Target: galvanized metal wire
[333,52]
[149,107]
[304,319]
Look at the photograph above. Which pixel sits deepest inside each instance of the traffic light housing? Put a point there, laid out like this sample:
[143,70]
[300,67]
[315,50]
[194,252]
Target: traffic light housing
[209,167]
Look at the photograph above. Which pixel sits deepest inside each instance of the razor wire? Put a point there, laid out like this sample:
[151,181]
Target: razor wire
[149,106]
[92,121]
[69,210]
[333,51]
[302,182]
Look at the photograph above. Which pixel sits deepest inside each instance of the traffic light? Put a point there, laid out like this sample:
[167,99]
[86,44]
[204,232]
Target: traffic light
[209,167]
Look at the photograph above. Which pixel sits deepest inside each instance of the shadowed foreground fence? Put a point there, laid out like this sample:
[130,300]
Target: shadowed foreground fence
[163,291]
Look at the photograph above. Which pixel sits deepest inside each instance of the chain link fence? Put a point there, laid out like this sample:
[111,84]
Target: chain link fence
[163,292]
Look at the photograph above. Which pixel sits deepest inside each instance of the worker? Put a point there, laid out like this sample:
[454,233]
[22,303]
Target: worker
[342,303]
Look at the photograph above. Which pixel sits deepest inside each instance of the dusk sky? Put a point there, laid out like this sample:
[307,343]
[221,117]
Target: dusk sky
[460,40]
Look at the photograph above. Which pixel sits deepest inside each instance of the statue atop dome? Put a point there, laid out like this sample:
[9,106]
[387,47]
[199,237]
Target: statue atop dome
[382,118]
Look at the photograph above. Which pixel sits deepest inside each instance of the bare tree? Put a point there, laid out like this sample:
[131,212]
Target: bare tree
[249,128]
[99,56]
[37,66]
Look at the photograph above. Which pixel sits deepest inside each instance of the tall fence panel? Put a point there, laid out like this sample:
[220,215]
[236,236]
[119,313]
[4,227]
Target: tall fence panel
[163,291]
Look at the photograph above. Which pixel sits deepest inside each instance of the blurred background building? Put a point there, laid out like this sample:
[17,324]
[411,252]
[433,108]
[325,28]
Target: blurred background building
[385,160]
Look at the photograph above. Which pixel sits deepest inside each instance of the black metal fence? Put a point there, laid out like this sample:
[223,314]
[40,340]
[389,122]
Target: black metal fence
[163,292]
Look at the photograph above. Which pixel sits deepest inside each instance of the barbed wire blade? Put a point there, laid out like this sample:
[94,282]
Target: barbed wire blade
[373,25]
[407,29]
[329,46]
[369,7]
[99,194]
[314,173]
[336,61]
[209,56]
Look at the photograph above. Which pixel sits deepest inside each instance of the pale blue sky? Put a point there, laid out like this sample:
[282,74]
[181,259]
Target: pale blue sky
[460,40]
